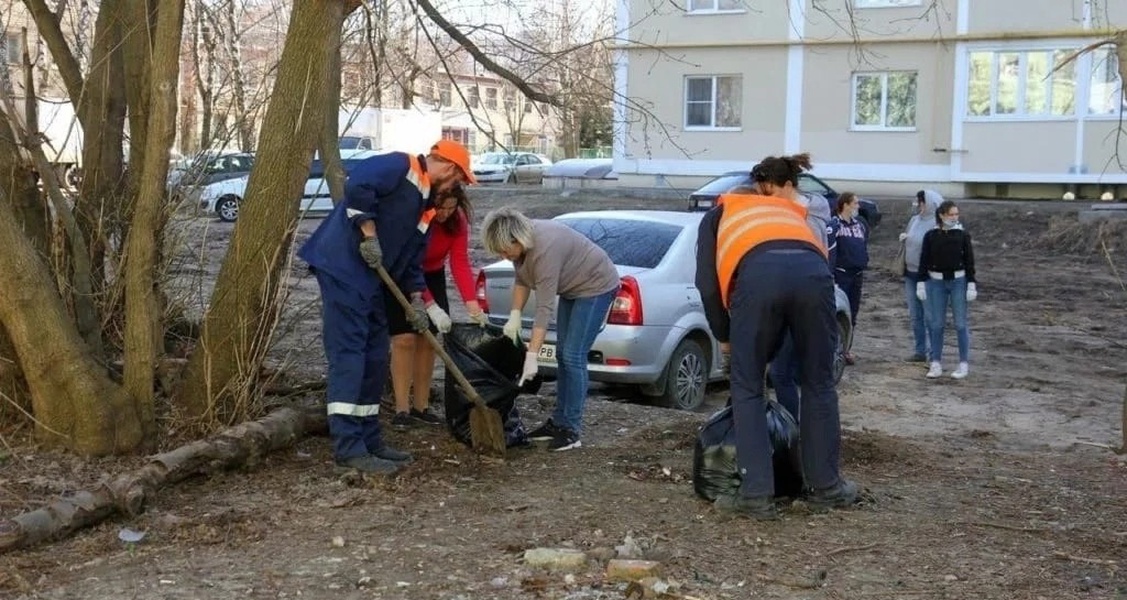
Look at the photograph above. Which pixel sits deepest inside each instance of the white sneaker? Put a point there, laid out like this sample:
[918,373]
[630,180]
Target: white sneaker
[936,370]
[962,371]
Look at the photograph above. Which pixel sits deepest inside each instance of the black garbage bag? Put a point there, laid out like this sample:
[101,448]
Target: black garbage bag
[715,472]
[491,363]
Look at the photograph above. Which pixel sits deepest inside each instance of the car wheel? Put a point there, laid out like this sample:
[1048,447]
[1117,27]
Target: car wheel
[685,377]
[227,208]
[843,338]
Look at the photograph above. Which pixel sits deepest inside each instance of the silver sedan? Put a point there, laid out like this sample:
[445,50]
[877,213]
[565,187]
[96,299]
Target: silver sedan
[656,335]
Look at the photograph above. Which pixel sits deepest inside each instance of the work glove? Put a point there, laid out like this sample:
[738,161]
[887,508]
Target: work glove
[972,292]
[903,236]
[476,314]
[418,315]
[439,317]
[921,291]
[531,365]
[512,327]
[371,252]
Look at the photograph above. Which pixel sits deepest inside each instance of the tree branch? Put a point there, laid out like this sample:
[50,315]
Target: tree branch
[480,56]
[47,22]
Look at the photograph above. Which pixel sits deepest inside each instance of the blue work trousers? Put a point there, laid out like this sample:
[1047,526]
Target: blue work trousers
[779,291]
[578,321]
[357,347]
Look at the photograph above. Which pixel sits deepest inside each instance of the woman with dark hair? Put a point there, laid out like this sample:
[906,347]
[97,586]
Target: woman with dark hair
[850,258]
[412,358]
[946,279]
[745,241]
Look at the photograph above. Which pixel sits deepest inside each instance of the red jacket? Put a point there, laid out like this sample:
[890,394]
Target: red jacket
[442,245]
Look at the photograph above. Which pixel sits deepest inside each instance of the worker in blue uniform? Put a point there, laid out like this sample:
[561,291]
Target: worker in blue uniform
[383,219]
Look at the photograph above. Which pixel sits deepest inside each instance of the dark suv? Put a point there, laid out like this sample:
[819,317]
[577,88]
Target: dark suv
[705,197]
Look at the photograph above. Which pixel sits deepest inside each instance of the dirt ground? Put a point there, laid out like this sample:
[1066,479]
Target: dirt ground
[998,486]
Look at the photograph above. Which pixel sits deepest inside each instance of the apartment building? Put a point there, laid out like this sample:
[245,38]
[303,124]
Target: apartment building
[487,113]
[974,97]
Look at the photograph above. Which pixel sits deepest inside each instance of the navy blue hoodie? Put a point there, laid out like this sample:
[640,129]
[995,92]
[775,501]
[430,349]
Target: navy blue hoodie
[852,249]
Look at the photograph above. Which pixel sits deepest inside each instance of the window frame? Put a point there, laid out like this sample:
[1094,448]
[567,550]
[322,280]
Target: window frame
[1091,66]
[1080,89]
[715,101]
[13,42]
[863,4]
[884,126]
[692,10]
[492,96]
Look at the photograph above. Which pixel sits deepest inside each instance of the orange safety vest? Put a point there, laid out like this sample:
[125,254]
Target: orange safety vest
[748,221]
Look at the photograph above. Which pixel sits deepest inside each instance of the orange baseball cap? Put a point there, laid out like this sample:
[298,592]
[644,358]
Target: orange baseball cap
[457,154]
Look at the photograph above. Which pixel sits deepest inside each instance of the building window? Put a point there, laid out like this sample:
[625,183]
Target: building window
[884,3]
[473,97]
[711,6]
[528,107]
[491,98]
[443,94]
[713,102]
[1106,95]
[884,101]
[1021,84]
[510,100]
[13,49]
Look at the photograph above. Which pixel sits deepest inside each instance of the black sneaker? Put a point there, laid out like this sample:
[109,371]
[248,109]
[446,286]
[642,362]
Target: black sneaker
[402,421]
[391,454]
[425,416]
[916,358]
[544,432]
[369,464]
[760,509]
[565,439]
[843,495]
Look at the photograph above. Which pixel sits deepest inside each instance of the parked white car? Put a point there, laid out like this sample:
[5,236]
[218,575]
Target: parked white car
[223,198]
[516,167]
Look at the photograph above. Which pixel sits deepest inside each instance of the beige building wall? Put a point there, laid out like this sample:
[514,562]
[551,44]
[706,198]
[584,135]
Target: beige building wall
[799,61]
[828,130]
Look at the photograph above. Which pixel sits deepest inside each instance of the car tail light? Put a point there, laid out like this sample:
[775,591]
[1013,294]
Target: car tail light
[627,306]
[481,301]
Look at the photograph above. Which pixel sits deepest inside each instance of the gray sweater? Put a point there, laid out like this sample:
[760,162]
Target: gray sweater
[562,262]
[917,228]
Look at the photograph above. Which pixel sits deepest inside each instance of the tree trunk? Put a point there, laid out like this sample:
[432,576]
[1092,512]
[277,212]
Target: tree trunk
[143,310]
[244,307]
[137,45]
[74,402]
[237,447]
[330,133]
[18,188]
[244,122]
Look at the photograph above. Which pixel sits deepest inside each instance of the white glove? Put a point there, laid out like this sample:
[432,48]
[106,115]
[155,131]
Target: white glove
[903,236]
[531,365]
[476,314]
[512,327]
[439,317]
[921,291]
[972,292]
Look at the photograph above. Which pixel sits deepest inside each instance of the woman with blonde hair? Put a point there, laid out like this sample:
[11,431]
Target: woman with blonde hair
[557,262]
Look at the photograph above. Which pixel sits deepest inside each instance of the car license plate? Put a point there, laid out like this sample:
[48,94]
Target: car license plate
[547,353]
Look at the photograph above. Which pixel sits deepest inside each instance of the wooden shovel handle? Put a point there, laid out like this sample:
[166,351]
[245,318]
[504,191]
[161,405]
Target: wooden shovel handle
[451,368]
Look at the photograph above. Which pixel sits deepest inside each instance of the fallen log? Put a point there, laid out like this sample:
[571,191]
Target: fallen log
[240,446]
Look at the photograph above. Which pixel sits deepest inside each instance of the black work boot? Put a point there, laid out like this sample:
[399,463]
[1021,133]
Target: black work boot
[369,464]
[391,454]
[760,508]
[843,495]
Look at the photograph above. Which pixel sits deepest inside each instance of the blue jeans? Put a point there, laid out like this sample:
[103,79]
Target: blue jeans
[799,302]
[940,295]
[578,321]
[917,313]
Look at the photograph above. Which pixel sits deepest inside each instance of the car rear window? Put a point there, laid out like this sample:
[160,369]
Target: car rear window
[724,184]
[629,243]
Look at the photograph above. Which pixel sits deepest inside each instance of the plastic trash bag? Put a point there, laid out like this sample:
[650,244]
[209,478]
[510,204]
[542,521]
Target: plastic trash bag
[715,472]
[491,363]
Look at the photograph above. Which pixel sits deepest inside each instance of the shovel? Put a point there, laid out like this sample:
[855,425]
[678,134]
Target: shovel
[487,432]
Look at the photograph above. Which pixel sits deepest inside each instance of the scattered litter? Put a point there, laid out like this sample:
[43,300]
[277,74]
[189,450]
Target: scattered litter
[338,541]
[130,536]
